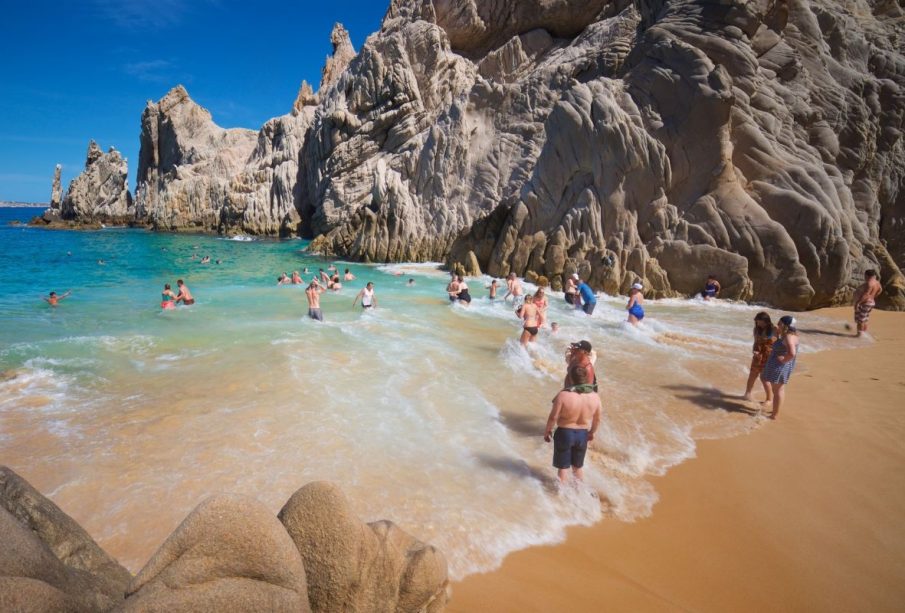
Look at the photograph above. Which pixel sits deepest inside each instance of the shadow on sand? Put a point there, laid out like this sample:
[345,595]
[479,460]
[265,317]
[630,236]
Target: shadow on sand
[518,468]
[826,332]
[523,425]
[712,399]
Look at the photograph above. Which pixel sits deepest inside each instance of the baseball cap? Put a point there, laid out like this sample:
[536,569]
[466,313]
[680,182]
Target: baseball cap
[574,275]
[637,286]
[583,345]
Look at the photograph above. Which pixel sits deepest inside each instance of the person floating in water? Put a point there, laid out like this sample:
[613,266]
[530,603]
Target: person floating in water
[296,278]
[711,288]
[463,295]
[184,296]
[367,296]
[53,299]
[530,321]
[865,300]
[206,259]
[313,294]
[588,299]
[576,416]
[348,276]
[764,336]
[781,362]
[283,279]
[167,298]
[411,282]
[635,306]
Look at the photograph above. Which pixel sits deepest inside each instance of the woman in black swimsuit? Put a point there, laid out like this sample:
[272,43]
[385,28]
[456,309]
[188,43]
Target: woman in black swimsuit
[463,294]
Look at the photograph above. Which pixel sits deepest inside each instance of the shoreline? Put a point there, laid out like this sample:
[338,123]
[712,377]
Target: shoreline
[801,514]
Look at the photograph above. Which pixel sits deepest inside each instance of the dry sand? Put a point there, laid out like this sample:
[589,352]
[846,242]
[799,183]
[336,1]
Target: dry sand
[804,514]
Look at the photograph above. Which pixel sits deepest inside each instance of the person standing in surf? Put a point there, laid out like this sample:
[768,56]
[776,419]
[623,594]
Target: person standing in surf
[452,289]
[463,296]
[367,297]
[764,335]
[865,300]
[781,362]
[571,292]
[576,416]
[635,304]
[313,295]
[540,301]
[493,288]
[167,298]
[184,296]
[514,287]
[588,299]
[530,321]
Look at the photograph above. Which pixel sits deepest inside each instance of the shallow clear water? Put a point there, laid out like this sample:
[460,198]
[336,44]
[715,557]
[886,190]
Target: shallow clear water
[427,414]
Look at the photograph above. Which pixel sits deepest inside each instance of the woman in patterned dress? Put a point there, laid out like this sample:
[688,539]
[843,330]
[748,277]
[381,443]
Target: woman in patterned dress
[779,366]
[764,335]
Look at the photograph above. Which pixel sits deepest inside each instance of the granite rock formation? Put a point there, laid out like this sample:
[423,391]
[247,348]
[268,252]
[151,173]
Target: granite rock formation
[229,554]
[98,195]
[658,140]
[47,561]
[53,214]
[352,566]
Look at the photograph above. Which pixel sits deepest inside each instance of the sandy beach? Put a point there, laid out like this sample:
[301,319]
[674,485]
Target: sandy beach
[804,514]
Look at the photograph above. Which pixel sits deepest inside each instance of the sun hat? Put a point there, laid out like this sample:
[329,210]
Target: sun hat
[637,286]
[574,275]
[583,345]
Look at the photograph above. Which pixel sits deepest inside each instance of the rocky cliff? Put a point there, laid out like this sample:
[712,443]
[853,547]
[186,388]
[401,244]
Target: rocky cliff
[656,139]
[229,554]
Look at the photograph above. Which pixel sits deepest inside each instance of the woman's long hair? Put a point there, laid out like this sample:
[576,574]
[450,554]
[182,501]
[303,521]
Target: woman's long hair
[766,331]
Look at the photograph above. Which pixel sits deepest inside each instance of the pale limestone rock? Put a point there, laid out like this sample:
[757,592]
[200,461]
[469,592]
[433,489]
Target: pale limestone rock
[336,64]
[357,567]
[100,194]
[56,191]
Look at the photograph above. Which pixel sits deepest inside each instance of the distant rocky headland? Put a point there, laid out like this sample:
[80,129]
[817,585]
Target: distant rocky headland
[7,204]
[229,554]
[654,140]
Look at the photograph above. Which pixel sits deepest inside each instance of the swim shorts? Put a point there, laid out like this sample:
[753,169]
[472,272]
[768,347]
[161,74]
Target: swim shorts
[315,314]
[588,307]
[862,312]
[570,298]
[188,302]
[569,447]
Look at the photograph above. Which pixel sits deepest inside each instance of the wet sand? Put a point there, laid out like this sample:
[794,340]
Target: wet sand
[804,514]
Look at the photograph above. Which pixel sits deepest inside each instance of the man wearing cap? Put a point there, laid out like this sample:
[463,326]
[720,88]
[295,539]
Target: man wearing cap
[581,354]
[588,298]
[576,415]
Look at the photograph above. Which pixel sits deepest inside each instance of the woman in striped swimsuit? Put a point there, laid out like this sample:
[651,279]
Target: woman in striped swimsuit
[781,362]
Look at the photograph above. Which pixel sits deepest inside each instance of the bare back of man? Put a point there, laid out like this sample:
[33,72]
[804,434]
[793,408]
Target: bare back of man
[313,294]
[576,417]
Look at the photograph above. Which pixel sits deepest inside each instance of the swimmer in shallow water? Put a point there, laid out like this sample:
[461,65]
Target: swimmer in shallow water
[493,289]
[296,278]
[53,299]
[635,302]
[348,276]
[367,296]
[452,289]
[184,296]
[711,288]
[411,282]
[463,296]
[167,298]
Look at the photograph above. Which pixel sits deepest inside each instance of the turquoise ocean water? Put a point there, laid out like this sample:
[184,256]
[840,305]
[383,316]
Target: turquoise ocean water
[425,413]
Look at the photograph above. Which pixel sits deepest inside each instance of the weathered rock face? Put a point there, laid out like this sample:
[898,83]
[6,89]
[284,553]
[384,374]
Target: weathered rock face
[352,566]
[659,140]
[649,140]
[187,164]
[100,194]
[229,554]
[47,561]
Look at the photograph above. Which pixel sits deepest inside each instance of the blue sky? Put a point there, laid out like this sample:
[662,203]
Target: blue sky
[75,70]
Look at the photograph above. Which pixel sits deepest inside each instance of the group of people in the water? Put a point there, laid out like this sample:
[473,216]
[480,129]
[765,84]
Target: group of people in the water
[169,299]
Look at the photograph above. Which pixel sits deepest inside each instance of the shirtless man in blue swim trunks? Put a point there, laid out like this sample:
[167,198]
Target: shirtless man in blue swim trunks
[576,415]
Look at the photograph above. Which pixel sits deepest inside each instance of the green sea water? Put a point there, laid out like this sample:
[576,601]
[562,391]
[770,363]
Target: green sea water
[426,413]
